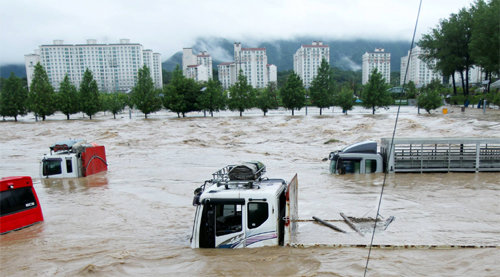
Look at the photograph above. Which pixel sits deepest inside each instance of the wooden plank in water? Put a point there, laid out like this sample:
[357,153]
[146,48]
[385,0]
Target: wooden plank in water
[328,225]
[349,222]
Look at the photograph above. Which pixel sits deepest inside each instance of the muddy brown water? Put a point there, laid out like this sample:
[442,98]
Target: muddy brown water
[136,219]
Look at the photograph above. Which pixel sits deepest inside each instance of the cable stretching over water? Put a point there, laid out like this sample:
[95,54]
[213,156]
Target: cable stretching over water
[392,140]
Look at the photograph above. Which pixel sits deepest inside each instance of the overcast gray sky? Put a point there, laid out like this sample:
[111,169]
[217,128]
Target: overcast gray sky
[167,26]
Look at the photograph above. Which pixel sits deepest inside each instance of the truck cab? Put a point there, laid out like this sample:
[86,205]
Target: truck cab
[358,158]
[248,211]
[73,159]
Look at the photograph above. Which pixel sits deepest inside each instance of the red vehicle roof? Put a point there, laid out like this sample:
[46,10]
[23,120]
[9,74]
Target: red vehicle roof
[20,205]
[15,181]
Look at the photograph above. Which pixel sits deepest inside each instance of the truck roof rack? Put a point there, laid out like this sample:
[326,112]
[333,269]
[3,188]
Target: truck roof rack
[66,145]
[247,171]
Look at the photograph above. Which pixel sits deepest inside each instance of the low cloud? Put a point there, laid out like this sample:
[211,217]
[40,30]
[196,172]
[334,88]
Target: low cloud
[350,63]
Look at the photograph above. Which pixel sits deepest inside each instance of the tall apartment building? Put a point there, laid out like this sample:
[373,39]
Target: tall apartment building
[377,59]
[253,63]
[227,74]
[197,67]
[418,71]
[114,66]
[307,60]
[476,75]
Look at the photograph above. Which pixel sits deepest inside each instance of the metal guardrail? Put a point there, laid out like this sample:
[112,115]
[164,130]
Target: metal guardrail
[455,154]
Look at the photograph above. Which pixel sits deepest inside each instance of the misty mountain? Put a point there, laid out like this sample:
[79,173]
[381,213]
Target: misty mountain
[18,69]
[344,54]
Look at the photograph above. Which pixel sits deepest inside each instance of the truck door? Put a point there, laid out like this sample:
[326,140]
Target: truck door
[281,218]
[222,223]
[292,212]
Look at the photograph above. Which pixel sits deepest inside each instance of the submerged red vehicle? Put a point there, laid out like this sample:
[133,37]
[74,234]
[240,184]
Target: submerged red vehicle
[19,205]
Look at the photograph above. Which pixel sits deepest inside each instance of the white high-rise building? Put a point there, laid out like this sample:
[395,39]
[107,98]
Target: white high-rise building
[227,74]
[272,73]
[476,76]
[113,66]
[197,67]
[378,59]
[418,71]
[253,63]
[197,72]
[307,60]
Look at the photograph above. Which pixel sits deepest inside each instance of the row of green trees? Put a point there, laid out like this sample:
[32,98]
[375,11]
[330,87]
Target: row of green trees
[465,39]
[43,100]
[183,95]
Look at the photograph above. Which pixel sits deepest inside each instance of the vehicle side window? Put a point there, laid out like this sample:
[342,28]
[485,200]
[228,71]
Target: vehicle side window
[370,166]
[51,167]
[350,166]
[258,213]
[69,166]
[228,219]
[15,200]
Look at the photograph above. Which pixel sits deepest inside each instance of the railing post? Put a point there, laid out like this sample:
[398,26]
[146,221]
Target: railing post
[478,149]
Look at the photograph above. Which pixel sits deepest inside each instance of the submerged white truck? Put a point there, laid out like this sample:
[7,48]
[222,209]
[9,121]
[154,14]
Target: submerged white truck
[418,155]
[239,208]
[73,159]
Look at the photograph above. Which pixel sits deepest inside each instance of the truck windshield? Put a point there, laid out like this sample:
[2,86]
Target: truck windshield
[51,167]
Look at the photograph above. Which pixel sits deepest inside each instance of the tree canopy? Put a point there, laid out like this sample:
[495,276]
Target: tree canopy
[322,87]
[144,95]
[485,31]
[241,95]
[41,97]
[212,97]
[345,99]
[67,98]
[114,102]
[430,100]
[180,95]
[13,97]
[293,94]
[465,39]
[89,94]
[267,98]
[375,94]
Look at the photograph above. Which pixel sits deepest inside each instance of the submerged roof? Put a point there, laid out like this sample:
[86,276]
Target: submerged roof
[65,144]
[369,147]
[242,189]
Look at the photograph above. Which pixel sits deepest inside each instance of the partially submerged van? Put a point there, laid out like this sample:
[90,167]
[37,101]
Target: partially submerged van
[19,205]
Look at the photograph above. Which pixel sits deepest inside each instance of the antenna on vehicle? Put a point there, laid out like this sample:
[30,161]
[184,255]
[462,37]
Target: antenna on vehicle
[392,140]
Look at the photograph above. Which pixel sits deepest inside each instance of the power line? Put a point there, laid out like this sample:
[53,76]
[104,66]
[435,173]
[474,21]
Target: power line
[392,140]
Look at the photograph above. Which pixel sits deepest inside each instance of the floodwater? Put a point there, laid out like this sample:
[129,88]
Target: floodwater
[136,219]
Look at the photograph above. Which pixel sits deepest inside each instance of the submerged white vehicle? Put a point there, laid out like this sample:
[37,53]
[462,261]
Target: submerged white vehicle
[240,208]
[73,159]
[419,155]
[361,157]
